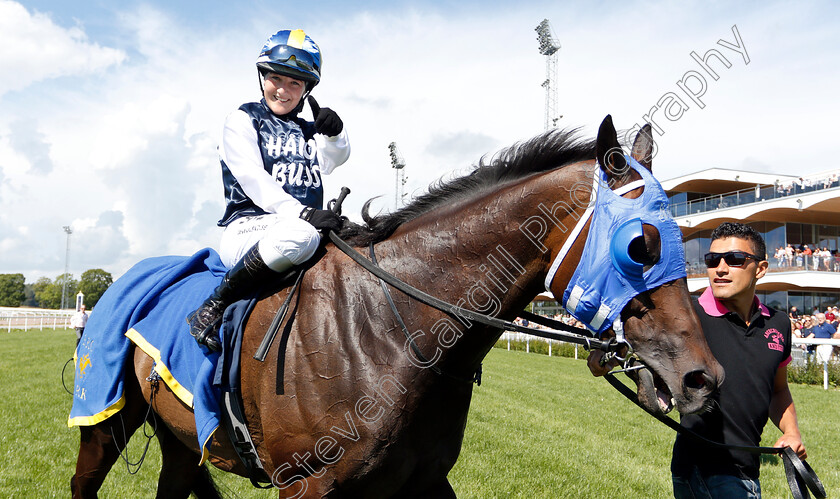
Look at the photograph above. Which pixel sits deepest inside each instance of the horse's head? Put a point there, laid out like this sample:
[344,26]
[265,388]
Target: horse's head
[630,278]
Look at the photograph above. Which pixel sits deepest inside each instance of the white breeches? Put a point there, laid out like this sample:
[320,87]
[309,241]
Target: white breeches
[283,241]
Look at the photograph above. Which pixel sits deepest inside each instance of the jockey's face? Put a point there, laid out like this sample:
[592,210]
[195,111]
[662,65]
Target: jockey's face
[282,93]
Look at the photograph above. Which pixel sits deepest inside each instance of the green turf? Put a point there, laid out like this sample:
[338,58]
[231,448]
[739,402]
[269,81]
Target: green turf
[539,427]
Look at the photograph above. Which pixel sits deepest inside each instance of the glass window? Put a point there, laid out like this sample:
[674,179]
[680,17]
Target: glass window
[695,248]
[775,299]
[795,299]
[824,300]
[794,234]
[827,235]
[774,236]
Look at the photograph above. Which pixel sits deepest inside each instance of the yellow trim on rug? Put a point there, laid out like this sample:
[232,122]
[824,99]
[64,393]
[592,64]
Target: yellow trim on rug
[99,416]
[178,389]
[205,451]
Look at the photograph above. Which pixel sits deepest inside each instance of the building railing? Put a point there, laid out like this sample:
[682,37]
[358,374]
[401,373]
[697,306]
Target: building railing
[26,319]
[808,264]
[755,194]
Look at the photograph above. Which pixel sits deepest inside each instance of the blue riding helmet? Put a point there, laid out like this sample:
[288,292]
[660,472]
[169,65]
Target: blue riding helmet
[292,53]
[608,276]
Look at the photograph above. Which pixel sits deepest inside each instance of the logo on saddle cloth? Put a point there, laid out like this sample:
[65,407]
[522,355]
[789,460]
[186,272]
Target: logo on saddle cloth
[84,363]
[607,277]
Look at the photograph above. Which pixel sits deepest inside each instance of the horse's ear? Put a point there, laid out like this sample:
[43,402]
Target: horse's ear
[643,147]
[608,151]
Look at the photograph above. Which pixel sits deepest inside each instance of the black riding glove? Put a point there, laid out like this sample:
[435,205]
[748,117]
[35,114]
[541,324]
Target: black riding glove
[322,219]
[327,121]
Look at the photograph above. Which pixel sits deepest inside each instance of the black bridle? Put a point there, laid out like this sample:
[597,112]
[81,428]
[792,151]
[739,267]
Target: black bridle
[799,474]
[560,332]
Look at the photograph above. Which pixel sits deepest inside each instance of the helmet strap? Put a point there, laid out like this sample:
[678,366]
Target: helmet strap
[260,77]
[300,105]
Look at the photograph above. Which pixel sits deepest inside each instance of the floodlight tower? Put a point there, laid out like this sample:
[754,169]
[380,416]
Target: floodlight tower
[398,164]
[549,47]
[69,231]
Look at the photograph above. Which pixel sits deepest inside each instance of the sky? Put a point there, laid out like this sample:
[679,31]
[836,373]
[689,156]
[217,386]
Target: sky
[111,112]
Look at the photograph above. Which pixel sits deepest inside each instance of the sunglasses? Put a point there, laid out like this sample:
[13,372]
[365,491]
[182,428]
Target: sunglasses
[301,58]
[732,258]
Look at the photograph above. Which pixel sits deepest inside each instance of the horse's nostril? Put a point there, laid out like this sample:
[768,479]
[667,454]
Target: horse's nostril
[695,380]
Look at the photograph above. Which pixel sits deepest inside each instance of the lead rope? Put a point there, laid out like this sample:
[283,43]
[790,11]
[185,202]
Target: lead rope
[800,476]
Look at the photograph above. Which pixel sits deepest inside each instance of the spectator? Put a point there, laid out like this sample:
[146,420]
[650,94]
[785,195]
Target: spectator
[78,322]
[796,327]
[780,256]
[826,258]
[806,256]
[807,332]
[794,312]
[823,331]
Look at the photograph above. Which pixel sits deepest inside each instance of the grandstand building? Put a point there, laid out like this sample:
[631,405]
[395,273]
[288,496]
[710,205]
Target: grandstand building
[791,212]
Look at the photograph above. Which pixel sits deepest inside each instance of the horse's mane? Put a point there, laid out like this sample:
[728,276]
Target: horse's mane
[542,153]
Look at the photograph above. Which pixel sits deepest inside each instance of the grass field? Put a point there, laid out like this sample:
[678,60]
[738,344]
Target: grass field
[539,427]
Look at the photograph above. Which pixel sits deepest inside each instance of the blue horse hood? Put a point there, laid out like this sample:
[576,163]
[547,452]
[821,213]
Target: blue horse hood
[608,277]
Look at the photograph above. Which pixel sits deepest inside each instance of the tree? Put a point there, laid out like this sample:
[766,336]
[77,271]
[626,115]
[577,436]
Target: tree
[29,301]
[38,289]
[12,290]
[93,284]
[50,295]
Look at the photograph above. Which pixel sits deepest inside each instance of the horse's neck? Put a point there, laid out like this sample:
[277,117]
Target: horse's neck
[476,254]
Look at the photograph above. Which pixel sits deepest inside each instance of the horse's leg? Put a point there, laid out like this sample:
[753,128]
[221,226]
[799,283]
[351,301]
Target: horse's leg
[102,443]
[180,473]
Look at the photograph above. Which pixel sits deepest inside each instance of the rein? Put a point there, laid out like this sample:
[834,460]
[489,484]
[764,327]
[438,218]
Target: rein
[800,476]
[564,332]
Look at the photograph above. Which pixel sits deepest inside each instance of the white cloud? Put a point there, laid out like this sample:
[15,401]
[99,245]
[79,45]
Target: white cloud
[33,48]
[123,143]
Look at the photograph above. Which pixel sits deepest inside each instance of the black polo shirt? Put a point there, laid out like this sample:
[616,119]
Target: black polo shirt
[750,356]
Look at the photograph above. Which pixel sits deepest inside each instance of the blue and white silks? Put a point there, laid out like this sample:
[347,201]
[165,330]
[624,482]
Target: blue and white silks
[607,277]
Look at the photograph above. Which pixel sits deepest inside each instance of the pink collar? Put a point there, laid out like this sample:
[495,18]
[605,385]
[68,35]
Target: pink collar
[716,309]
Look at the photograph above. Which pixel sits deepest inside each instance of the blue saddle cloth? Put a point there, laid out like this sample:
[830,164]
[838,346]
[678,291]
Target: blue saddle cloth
[148,306]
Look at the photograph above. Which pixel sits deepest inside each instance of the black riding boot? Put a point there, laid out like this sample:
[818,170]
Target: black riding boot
[248,272]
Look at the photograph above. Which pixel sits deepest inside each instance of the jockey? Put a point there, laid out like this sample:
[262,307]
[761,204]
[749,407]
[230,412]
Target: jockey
[272,163]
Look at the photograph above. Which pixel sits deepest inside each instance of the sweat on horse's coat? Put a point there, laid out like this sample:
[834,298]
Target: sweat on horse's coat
[345,341]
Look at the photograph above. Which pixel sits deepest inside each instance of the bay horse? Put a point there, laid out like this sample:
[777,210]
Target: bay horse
[344,408]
